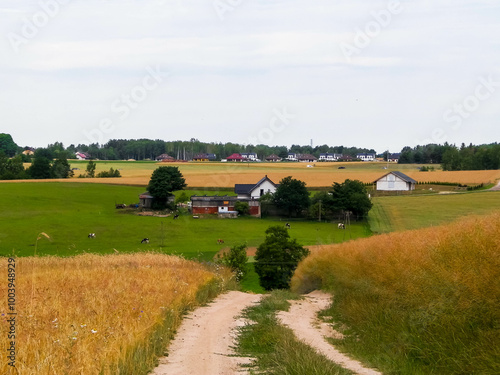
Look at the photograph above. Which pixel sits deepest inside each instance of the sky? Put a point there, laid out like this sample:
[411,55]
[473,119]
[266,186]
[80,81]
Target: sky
[364,73]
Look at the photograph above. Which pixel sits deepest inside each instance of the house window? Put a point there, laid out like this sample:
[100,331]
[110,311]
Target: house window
[261,192]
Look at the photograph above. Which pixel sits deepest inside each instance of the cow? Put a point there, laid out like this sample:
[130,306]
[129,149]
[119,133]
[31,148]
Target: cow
[220,241]
[145,240]
[176,216]
[91,235]
[341,226]
[287,225]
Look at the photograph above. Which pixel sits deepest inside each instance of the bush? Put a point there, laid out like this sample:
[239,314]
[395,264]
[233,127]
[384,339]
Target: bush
[242,207]
[277,258]
[111,173]
[236,259]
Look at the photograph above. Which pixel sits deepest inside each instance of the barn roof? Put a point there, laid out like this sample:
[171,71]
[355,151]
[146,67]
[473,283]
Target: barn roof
[247,188]
[400,175]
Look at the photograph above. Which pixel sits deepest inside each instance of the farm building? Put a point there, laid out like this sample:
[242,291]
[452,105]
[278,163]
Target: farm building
[235,157]
[366,157]
[329,157]
[255,191]
[250,156]
[165,158]
[292,156]
[395,181]
[145,200]
[221,205]
[82,156]
[204,157]
[306,158]
[393,158]
[273,158]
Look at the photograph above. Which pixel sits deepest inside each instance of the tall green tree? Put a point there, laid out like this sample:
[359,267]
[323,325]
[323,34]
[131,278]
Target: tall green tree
[61,167]
[41,167]
[164,181]
[8,145]
[292,196]
[91,169]
[277,257]
[351,195]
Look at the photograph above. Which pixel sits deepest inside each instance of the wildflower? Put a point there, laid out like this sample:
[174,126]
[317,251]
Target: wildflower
[55,320]
[83,325]
[74,337]
[93,331]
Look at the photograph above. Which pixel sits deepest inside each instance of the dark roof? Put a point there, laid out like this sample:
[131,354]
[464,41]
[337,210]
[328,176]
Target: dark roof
[400,175]
[247,188]
[273,157]
[306,157]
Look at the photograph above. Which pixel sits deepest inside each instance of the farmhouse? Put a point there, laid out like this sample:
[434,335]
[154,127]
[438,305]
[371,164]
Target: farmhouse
[393,158]
[82,156]
[329,157]
[395,181]
[306,158]
[292,156]
[165,158]
[204,157]
[273,158]
[366,157]
[250,156]
[255,191]
[221,205]
[235,157]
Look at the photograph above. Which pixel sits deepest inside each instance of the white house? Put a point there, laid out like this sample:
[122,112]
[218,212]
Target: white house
[249,156]
[393,158]
[395,181]
[366,157]
[255,191]
[329,157]
[292,156]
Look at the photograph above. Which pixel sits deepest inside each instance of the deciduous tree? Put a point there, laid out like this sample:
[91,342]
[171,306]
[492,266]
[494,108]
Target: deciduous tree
[163,182]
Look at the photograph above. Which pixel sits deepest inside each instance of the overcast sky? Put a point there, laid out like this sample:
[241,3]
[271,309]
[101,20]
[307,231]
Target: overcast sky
[366,73]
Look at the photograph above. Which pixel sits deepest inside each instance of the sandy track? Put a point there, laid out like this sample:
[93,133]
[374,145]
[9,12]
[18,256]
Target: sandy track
[301,318]
[204,340]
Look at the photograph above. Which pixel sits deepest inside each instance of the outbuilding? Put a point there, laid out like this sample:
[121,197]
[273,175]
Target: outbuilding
[395,181]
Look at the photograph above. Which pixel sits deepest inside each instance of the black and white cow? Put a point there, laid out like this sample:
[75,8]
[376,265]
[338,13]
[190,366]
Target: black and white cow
[145,240]
[341,226]
[91,235]
[287,225]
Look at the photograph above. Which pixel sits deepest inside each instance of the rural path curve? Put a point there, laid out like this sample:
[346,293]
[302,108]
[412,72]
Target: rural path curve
[301,318]
[203,342]
[496,187]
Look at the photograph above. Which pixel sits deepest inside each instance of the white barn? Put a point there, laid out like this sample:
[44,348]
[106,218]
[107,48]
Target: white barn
[255,191]
[395,181]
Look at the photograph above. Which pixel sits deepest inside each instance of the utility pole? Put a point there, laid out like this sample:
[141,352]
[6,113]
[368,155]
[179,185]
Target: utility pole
[319,218]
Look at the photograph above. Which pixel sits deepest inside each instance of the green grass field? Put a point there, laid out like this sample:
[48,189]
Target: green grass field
[68,212]
[412,212]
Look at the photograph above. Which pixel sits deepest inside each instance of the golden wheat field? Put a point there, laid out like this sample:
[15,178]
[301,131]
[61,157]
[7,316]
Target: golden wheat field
[320,174]
[92,314]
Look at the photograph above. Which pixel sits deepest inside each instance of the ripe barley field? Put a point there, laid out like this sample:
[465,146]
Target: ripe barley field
[225,175]
[94,314]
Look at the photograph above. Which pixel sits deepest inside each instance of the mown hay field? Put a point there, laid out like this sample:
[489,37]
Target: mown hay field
[395,213]
[322,174]
[416,302]
[92,314]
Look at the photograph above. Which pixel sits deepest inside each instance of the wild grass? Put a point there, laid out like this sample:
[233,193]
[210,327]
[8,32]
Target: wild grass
[274,347]
[416,302]
[92,314]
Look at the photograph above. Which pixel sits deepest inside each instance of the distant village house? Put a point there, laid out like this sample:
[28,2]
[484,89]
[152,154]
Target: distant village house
[395,181]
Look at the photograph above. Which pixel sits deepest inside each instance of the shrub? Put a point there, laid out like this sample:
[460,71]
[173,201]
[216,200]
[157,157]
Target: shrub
[236,259]
[277,258]
[242,207]
[111,173]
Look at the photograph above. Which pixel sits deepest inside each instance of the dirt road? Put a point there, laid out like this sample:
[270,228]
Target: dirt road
[301,318]
[204,340]
[203,343]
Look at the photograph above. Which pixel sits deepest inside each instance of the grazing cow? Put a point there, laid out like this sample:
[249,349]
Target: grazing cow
[120,206]
[91,235]
[145,240]
[176,216]
[287,225]
[341,226]
[220,241]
